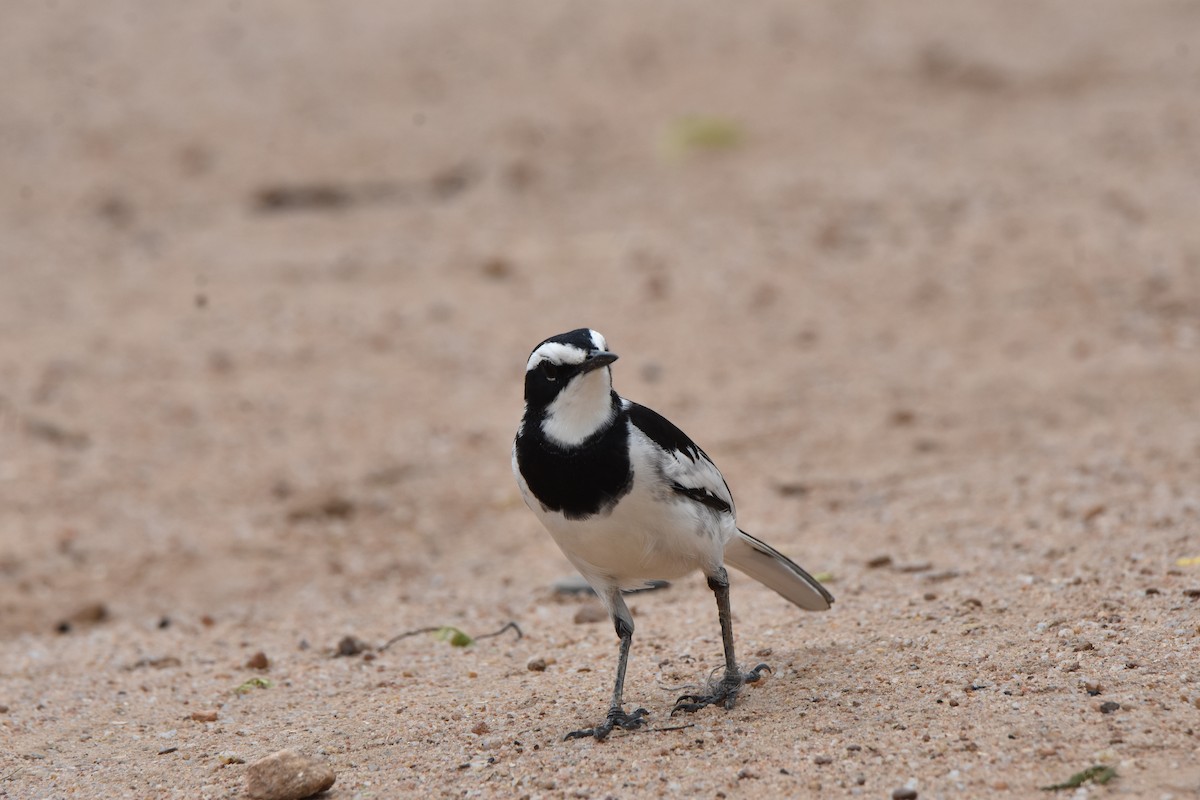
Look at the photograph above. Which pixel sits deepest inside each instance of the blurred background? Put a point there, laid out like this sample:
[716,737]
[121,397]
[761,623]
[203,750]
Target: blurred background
[924,279]
[264,255]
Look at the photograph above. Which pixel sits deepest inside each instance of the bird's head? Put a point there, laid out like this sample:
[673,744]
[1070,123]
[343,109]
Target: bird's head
[568,384]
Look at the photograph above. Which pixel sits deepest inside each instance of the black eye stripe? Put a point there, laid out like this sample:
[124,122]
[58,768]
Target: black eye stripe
[549,370]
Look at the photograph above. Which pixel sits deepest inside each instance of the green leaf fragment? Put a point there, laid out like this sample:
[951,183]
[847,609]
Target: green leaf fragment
[825,577]
[456,637]
[692,134]
[252,684]
[1098,774]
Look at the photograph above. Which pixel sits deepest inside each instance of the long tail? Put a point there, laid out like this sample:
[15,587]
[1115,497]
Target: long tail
[776,571]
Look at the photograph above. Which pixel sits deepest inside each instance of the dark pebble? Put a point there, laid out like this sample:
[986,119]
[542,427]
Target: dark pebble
[1109,707]
[904,793]
[350,646]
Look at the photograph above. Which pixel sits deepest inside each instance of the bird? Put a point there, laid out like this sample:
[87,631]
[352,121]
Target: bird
[630,499]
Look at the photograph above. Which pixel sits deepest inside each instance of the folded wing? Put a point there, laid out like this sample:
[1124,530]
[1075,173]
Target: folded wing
[776,571]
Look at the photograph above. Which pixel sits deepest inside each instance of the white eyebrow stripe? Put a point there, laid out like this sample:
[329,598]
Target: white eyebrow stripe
[598,341]
[556,352]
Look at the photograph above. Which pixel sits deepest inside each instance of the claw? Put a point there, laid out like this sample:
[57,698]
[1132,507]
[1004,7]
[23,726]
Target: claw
[635,719]
[755,674]
[616,719]
[724,693]
[582,734]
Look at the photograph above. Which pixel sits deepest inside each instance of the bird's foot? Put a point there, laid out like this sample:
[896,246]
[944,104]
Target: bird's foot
[617,718]
[724,693]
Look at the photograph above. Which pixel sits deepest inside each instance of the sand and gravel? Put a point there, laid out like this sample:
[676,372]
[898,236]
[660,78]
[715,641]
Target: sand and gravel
[923,278]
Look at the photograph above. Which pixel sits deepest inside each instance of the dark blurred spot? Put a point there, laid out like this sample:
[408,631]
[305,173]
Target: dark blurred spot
[301,197]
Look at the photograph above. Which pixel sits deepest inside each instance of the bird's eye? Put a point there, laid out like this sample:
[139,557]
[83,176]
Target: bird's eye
[550,371]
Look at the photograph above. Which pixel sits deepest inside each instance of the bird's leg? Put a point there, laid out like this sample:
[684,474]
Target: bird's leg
[617,718]
[725,691]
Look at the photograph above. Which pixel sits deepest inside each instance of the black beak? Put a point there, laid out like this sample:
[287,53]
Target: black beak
[598,359]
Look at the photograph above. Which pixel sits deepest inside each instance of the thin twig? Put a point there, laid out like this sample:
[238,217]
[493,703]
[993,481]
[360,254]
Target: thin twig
[407,634]
[671,728]
[507,626]
[435,628]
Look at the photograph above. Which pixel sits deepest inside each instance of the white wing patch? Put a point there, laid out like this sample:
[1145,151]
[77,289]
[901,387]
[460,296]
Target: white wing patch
[687,472]
[696,474]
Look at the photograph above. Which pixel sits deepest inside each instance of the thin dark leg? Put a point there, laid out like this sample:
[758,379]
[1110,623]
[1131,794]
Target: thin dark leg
[616,714]
[726,691]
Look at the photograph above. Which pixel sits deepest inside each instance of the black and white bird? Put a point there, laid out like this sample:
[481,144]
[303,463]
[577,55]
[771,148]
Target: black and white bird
[629,498]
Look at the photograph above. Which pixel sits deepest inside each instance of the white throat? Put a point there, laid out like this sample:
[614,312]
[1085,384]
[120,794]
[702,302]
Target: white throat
[582,408]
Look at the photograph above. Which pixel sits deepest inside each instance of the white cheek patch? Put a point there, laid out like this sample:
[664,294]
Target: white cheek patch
[556,353]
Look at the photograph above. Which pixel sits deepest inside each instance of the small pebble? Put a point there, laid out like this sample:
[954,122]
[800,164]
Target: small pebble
[1109,707]
[904,793]
[287,775]
[351,646]
[480,729]
[536,665]
[90,614]
[206,715]
[822,760]
[258,661]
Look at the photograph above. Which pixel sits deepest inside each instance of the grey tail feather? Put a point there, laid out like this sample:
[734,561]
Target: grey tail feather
[776,571]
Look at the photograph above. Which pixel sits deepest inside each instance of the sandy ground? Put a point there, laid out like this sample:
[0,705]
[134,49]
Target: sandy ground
[926,285]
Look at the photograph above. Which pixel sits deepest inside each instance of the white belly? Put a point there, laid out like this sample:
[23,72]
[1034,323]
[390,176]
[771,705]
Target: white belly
[650,534]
